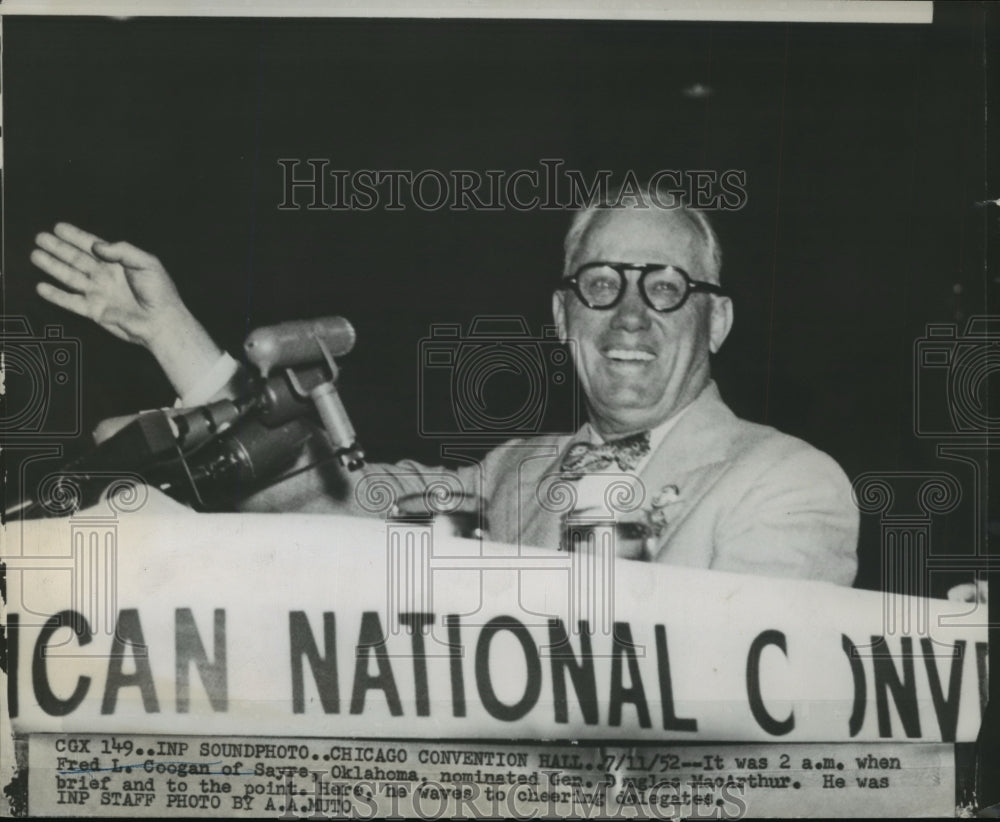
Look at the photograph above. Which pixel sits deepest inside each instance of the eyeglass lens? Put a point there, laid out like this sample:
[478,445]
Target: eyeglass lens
[600,286]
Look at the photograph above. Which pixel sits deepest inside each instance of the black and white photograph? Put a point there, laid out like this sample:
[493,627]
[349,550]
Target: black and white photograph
[479,411]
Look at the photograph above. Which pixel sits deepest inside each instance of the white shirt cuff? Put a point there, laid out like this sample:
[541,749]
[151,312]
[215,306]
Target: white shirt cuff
[210,383]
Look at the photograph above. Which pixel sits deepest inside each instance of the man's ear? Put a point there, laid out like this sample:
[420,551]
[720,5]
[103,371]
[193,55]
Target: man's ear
[720,323]
[559,313]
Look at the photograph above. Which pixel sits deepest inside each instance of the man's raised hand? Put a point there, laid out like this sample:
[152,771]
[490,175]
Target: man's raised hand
[127,291]
[120,287]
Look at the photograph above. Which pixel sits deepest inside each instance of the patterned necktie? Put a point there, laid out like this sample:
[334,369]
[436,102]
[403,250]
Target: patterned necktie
[583,457]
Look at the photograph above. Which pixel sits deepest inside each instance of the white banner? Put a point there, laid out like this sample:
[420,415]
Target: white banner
[165,621]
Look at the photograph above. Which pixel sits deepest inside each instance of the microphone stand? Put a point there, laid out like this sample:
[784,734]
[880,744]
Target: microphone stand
[332,413]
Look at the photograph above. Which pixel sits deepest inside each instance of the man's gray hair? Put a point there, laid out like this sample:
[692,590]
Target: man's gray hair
[619,198]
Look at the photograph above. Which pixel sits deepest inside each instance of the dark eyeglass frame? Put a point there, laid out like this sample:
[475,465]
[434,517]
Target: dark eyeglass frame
[572,283]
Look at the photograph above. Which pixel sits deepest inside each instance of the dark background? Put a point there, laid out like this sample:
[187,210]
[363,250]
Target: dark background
[864,148]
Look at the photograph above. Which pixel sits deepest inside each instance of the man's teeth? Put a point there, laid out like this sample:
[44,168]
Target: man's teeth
[629,354]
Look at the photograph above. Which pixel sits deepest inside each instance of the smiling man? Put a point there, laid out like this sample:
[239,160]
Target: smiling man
[642,306]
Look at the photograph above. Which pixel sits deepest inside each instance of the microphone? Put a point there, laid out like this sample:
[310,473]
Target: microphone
[298,342]
[149,446]
[193,426]
[249,448]
[309,341]
[249,453]
[240,440]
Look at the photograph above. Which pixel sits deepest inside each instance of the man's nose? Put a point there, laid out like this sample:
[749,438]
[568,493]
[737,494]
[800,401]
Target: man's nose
[632,313]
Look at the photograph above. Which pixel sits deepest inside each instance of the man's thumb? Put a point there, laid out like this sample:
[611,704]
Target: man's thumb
[124,253]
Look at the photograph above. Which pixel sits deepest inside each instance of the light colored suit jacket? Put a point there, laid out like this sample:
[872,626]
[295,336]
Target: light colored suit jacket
[749,499]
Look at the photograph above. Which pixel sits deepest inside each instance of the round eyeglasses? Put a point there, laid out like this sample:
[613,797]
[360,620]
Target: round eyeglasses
[601,285]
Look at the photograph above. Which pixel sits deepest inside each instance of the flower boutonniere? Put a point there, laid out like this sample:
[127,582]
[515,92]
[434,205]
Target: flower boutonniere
[656,514]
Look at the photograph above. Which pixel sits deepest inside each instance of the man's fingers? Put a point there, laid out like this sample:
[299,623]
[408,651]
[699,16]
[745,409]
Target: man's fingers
[71,302]
[126,254]
[68,275]
[83,240]
[68,253]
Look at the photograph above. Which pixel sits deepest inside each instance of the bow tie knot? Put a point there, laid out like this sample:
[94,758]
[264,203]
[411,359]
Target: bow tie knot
[627,452]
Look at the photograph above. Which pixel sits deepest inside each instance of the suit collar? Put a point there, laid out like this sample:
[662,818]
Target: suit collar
[693,441]
[699,438]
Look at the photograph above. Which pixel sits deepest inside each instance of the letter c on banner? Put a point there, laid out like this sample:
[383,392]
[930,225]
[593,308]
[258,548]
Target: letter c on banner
[47,700]
[773,726]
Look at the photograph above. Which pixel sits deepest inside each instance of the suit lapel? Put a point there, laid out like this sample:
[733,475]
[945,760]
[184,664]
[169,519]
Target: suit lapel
[699,438]
[677,473]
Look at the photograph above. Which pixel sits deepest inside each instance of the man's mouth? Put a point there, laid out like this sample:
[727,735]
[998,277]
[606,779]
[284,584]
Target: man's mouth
[629,355]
